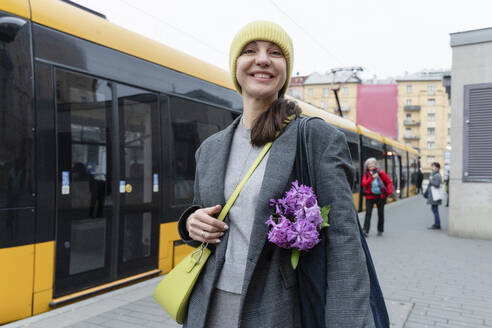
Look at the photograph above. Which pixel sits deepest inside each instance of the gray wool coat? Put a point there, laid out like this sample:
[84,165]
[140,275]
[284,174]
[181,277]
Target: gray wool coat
[269,295]
[435,180]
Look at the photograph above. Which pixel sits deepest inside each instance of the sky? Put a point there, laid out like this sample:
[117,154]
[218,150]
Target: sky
[386,37]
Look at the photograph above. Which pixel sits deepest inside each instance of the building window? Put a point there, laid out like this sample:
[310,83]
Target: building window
[431,117]
[409,116]
[431,88]
[449,116]
[409,102]
[409,88]
[431,145]
[408,129]
[345,90]
[431,159]
[431,131]
[326,92]
[449,131]
[310,91]
[345,106]
[431,101]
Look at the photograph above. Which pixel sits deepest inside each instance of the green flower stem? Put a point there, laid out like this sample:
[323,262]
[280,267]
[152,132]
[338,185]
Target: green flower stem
[294,258]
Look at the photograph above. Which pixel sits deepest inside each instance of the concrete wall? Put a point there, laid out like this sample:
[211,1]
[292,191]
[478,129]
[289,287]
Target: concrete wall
[470,212]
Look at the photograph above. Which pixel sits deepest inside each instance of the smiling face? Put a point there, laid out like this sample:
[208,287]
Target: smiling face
[261,70]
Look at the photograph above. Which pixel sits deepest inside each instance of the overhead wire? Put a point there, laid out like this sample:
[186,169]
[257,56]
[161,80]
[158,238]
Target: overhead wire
[318,43]
[191,36]
[366,68]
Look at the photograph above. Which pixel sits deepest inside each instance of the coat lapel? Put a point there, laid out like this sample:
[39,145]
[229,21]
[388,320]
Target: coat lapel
[277,173]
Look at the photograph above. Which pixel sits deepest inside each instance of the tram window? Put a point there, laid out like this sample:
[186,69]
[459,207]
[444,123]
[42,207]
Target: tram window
[192,123]
[135,107]
[368,152]
[82,103]
[413,169]
[16,119]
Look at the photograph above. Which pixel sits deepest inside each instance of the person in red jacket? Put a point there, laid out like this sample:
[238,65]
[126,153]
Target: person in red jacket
[377,186]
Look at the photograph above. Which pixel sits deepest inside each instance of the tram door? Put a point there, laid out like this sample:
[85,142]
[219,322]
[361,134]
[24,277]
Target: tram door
[108,182]
[396,178]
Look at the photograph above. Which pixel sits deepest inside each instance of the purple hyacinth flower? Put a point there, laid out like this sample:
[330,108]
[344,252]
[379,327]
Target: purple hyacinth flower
[306,235]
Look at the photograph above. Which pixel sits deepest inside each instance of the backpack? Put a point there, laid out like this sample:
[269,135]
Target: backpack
[377,186]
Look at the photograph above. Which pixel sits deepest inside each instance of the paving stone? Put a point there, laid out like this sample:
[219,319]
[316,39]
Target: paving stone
[419,323]
[129,317]
[119,324]
[84,325]
[98,319]
[139,316]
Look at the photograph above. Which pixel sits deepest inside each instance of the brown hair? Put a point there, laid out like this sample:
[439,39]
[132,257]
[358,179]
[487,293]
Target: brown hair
[268,123]
[436,164]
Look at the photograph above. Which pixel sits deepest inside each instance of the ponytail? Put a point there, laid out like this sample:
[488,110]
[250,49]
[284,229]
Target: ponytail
[268,123]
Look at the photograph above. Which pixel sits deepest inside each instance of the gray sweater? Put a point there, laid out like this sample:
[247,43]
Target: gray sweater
[241,214]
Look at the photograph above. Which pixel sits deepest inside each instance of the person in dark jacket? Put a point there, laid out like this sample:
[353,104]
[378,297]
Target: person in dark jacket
[420,179]
[446,189]
[435,181]
[377,186]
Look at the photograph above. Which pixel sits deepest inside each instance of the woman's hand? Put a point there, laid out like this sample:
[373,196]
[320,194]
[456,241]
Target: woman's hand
[203,227]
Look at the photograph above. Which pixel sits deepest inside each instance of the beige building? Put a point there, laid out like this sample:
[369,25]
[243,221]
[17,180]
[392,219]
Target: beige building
[318,91]
[424,117]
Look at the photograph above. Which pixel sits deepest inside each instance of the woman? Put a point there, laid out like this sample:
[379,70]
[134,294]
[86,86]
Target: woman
[377,186]
[435,181]
[248,281]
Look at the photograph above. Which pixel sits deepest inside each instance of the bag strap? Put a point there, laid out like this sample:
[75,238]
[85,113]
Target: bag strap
[303,169]
[378,306]
[252,168]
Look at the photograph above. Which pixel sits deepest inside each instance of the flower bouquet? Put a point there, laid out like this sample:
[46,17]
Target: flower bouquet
[297,221]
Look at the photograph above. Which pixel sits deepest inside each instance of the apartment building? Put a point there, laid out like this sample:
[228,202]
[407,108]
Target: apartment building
[424,117]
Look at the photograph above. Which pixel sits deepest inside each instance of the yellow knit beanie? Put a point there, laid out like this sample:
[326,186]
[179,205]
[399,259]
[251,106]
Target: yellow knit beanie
[263,31]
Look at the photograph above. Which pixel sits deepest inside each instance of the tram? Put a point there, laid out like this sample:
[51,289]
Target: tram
[98,130]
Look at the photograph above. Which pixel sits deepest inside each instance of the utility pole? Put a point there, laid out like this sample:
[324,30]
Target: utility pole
[335,89]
